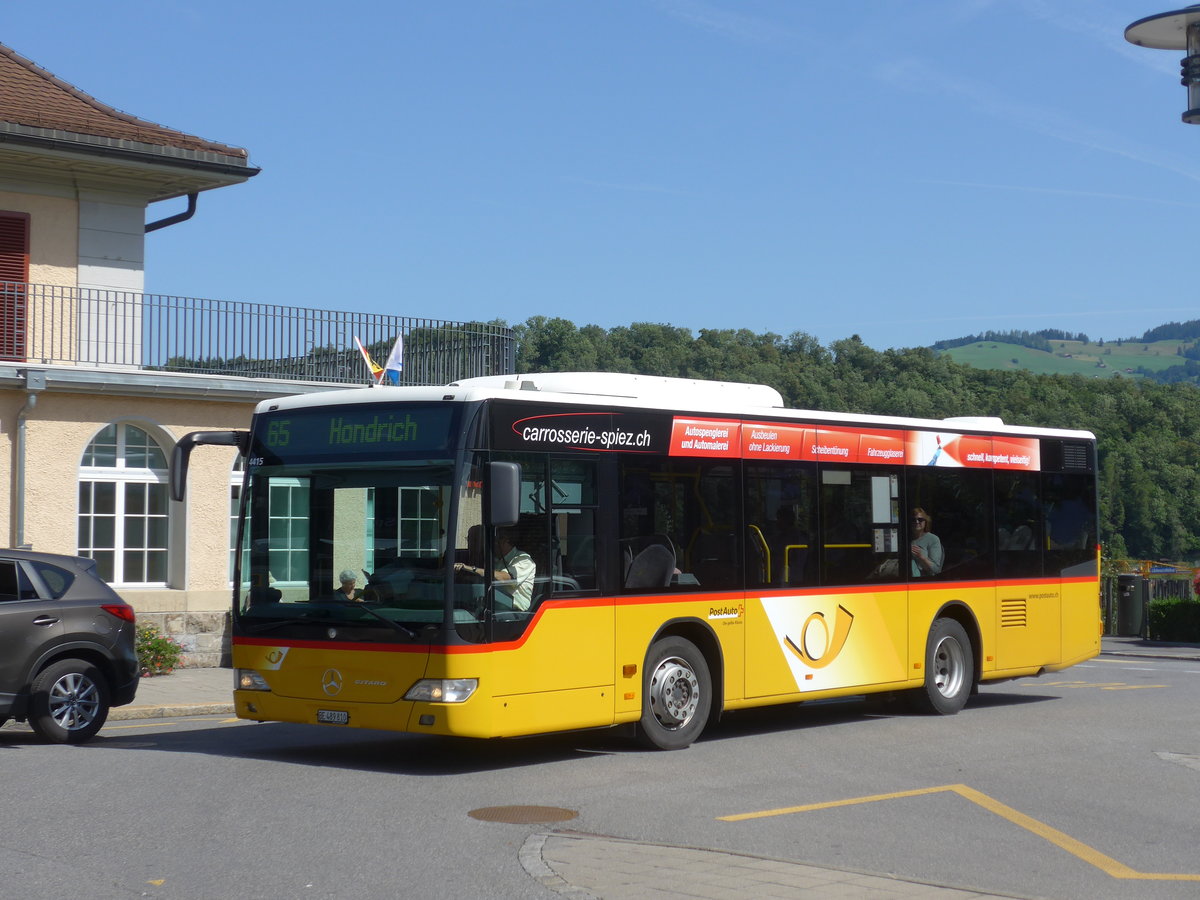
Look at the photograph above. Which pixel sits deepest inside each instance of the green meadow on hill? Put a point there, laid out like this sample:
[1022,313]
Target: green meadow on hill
[1089,359]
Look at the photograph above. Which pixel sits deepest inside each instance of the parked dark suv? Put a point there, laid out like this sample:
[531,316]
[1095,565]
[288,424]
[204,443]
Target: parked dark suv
[67,651]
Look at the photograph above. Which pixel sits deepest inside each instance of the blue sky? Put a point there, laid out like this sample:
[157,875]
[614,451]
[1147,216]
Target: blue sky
[907,172]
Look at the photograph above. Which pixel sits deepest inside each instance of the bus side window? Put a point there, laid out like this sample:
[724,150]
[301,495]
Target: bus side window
[678,525]
[1070,524]
[1018,525]
[860,525]
[573,500]
[780,504]
[958,503]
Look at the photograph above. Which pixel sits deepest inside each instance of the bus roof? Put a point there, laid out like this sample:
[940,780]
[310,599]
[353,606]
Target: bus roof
[616,389]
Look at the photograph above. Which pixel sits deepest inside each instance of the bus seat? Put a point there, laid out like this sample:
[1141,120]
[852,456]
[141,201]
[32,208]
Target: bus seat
[653,567]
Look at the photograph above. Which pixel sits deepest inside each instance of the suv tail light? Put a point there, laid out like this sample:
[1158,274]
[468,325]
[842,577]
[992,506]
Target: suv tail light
[120,610]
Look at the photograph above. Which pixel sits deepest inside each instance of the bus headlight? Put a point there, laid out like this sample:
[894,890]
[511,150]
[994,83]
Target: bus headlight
[442,690]
[249,680]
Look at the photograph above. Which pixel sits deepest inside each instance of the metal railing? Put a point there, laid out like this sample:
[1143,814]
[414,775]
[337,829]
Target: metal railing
[158,332]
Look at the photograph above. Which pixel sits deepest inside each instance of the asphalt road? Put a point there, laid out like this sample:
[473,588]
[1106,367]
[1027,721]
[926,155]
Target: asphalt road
[1079,785]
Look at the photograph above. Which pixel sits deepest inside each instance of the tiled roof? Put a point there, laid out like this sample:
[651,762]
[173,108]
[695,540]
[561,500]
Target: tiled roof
[32,97]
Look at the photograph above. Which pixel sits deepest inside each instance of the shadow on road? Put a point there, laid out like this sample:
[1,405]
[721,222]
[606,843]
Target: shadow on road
[408,754]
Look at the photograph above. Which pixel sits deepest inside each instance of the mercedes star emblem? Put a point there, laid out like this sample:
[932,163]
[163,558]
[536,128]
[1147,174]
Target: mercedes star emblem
[331,682]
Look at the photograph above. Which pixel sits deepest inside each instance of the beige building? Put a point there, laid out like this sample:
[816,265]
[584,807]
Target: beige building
[98,379]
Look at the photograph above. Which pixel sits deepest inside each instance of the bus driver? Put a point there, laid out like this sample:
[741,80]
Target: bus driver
[513,570]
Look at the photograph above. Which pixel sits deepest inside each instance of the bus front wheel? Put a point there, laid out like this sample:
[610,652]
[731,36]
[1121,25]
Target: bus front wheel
[949,670]
[676,694]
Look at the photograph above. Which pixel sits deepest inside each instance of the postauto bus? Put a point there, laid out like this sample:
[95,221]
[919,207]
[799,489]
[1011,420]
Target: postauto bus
[564,551]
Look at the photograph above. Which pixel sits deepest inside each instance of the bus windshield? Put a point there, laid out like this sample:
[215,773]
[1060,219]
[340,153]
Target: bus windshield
[359,548]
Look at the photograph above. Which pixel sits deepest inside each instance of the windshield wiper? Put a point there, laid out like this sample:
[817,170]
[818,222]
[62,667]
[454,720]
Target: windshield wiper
[356,604]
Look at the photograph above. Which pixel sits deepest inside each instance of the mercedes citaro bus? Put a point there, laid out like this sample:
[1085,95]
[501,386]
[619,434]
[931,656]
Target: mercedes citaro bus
[564,551]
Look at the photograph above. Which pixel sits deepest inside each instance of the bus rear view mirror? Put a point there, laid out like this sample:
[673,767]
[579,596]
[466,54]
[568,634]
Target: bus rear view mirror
[504,493]
[183,450]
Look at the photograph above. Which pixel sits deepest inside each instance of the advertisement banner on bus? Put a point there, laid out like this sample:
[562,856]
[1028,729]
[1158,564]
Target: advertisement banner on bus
[947,449]
[706,437]
[771,440]
[513,428]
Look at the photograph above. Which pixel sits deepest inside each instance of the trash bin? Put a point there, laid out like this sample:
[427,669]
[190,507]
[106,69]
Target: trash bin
[1131,605]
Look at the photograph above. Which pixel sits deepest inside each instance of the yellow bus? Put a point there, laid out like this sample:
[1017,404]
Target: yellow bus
[547,552]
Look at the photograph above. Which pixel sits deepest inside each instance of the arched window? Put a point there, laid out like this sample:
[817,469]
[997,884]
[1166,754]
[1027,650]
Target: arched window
[123,521]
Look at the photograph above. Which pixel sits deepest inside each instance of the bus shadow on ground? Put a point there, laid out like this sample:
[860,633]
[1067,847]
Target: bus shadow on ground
[360,750]
[424,755]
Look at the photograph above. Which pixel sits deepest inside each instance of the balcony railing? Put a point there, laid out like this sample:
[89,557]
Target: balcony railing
[155,332]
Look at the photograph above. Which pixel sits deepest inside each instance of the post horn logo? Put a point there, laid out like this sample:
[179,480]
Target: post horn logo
[816,648]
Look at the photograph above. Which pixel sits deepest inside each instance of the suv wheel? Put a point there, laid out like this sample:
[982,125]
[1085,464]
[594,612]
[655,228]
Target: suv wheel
[69,702]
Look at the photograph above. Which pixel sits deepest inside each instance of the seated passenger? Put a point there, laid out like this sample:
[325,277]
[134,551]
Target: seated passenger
[347,590]
[927,552]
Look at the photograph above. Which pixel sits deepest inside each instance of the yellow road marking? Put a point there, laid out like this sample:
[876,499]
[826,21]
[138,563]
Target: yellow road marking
[1134,687]
[1060,839]
[1103,685]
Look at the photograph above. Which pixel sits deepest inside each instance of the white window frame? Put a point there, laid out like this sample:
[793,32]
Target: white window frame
[411,498]
[121,475]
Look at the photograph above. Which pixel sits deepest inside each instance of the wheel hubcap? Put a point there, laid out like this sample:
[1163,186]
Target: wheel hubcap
[674,693]
[74,701]
[949,667]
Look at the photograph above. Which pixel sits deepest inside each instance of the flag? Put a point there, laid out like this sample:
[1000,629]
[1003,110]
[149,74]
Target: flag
[395,362]
[376,369]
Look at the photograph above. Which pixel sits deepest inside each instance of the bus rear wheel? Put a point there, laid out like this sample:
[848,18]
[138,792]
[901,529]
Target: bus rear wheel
[949,670]
[676,694]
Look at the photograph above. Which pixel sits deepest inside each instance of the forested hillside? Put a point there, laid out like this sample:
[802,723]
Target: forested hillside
[1149,433]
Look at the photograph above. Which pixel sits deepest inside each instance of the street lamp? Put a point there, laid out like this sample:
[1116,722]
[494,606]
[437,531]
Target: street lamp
[1178,30]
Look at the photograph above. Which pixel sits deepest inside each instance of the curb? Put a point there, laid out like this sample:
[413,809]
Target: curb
[123,713]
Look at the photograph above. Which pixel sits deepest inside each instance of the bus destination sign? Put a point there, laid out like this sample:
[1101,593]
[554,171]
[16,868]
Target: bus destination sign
[375,431]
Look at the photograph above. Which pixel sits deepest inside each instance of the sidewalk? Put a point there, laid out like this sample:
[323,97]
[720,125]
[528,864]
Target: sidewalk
[1138,647]
[185,692]
[599,867]
[596,867]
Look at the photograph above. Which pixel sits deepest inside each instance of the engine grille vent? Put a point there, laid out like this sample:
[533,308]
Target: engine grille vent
[1014,613]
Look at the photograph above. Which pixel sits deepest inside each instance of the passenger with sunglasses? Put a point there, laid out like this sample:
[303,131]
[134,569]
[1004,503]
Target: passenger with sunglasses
[927,552]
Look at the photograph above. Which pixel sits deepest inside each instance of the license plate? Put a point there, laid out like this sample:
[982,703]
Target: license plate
[333,716]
